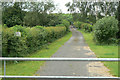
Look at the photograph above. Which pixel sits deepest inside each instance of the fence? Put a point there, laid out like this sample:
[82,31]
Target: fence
[57,59]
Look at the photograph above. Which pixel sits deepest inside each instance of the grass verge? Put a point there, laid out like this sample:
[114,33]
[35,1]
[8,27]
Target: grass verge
[29,68]
[103,51]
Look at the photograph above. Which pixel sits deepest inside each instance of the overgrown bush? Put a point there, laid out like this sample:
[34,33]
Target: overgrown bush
[78,24]
[31,39]
[85,26]
[54,33]
[66,24]
[59,25]
[105,30]
[0,38]
[19,28]
[12,45]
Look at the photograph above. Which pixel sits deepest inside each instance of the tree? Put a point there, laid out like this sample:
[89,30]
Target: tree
[31,19]
[0,14]
[27,13]
[39,12]
[118,16]
[98,9]
[13,15]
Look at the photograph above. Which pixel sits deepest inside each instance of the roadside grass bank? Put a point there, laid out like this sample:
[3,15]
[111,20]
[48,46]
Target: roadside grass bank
[103,51]
[29,68]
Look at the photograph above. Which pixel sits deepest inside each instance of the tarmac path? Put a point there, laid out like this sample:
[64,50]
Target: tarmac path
[75,47]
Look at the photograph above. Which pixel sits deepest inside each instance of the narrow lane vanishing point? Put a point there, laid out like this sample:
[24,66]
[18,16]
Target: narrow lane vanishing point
[75,47]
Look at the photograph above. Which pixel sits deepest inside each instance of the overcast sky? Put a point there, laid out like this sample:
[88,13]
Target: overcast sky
[61,5]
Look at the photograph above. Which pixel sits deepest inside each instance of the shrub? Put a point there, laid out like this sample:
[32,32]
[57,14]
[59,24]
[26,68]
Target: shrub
[66,24]
[105,30]
[19,28]
[59,25]
[78,24]
[85,26]
[13,45]
[31,39]
[55,32]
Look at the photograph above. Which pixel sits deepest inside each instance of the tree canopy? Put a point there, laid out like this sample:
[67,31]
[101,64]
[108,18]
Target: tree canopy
[91,10]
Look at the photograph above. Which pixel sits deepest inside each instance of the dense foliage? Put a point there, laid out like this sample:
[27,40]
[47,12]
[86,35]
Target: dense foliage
[78,24]
[86,11]
[105,30]
[118,16]
[32,14]
[12,15]
[66,24]
[31,39]
[85,26]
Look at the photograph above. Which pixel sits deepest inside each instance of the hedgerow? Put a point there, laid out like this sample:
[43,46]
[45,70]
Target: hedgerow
[59,25]
[66,24]
[85,26]
[78,24]
[31,39]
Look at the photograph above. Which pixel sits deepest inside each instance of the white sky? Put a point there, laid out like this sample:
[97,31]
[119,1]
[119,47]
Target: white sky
[61,5]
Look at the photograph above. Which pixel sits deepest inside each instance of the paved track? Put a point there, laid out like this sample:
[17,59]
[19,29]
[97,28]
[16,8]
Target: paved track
[73,48]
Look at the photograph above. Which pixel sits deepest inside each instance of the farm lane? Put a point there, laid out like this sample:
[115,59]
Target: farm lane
[75,47]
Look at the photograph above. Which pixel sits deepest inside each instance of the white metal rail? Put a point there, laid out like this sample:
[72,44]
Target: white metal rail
[60,77]
[57,59]
[60,59]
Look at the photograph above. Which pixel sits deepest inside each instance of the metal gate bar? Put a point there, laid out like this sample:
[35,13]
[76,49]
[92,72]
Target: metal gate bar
[61,77]
[57,59]
[60,59]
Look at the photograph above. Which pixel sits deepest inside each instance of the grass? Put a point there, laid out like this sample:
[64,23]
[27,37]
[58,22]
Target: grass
[29,68]
[103,51]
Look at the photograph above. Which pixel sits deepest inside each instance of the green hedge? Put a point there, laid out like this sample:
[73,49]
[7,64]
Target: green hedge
[78,24]
[66,24]
[85,26]
[31,39]
[60,25]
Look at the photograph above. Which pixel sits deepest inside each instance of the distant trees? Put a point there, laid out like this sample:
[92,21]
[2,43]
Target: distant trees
[0,13]
[32,14]
[39,12]
[91,10]
[12,15]
[28,13]
[31,19]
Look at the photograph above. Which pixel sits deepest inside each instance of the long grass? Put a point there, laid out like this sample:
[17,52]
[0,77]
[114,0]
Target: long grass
[103,51]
